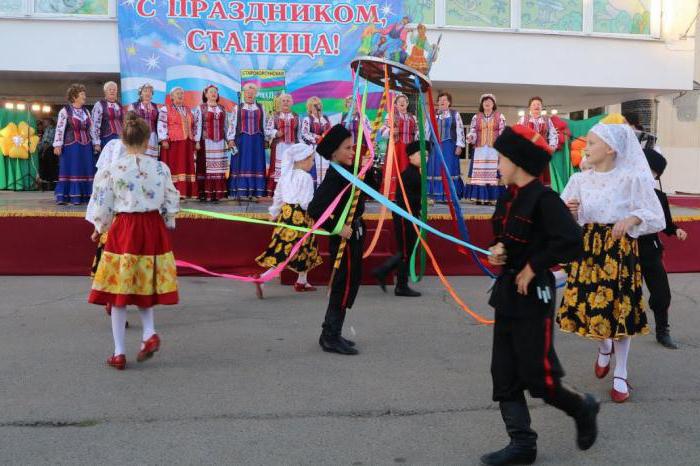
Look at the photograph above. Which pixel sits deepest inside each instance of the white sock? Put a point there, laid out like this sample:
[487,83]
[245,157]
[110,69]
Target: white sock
[118,328]
[560,277]
[147,321]
[622,350]
[605,347]
[302,278]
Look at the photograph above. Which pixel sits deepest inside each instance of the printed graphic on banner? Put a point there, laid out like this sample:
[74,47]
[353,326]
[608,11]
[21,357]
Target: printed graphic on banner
[270,84]
[194,43]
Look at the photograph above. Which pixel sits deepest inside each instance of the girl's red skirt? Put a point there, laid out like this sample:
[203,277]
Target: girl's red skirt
[137,266]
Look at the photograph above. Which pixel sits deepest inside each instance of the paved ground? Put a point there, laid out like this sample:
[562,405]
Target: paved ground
[242,381]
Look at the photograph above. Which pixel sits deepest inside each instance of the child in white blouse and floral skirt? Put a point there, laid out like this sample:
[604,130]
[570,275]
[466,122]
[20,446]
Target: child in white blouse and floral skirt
[293,193]
[615,203]
[134,198]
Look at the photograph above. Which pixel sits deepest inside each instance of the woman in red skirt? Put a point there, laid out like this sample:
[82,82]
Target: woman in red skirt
[134,198]
[178,128]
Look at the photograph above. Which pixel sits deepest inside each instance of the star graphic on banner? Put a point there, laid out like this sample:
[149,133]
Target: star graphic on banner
[130,3]
[131,50]
[152,62]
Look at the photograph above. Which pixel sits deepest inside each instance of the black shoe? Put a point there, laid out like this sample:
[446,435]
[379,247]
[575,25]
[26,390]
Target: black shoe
[666,341]
[511,454]
[350,343]
[586,425]
[380,276]
[406,291]
[335,345]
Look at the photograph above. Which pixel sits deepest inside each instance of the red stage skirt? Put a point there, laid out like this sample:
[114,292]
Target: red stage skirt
[137,265]
[179,157]
[402,158]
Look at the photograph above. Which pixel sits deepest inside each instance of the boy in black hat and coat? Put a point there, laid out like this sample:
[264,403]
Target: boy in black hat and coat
[533,232]
[337,146]
[651,258]
[403,229]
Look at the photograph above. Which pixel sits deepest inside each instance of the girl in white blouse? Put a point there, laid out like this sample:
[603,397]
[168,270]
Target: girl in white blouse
[134,198]
[615,202]
[293,193]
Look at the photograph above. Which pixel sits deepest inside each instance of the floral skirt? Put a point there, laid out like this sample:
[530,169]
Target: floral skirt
[603,295]
[284,239]
[137,265]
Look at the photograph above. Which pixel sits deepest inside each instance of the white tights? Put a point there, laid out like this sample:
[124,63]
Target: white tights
[622,349]
[119,324]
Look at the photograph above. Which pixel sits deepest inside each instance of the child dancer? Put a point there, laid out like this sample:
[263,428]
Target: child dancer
[533,232]
[292,196]
[134,198]
[337,145]
[651,258]
[403,230]
[615,203]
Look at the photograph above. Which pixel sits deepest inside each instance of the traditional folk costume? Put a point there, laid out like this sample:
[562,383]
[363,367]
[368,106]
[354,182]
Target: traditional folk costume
[346,281]
[134,198]
[451,132]
[291,199]
[651,251]
[312,128]
[544,127]
[405,132]
[76,164]
[483,181]
[404,232]
[212,162]
[603,295]
[247,177]
[286,123]
[179,126]
[535,229]
[107,118]
[149,112]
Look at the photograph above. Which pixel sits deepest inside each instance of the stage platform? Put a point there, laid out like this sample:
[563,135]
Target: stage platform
[38,237]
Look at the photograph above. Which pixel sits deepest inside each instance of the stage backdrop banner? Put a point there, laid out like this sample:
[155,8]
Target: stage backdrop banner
[194,43]
[270,84]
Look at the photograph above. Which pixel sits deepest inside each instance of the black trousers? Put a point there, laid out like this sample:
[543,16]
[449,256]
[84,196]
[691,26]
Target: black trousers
[524,358]
[656,279]
[347,279]
[406,238]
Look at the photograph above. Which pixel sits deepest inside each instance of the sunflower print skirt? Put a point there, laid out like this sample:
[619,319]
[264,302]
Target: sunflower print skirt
[603,294]
[284,239]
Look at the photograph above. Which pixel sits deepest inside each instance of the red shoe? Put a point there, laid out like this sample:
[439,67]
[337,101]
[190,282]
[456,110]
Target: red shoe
[150,346]
[302,287]
[108,309]
[602,371]
[619,397]
[118,361]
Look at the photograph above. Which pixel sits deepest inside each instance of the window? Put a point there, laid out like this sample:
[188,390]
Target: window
[622,16]
[493,13]
[70,7]
[420,11]
[11,7]
[553,15]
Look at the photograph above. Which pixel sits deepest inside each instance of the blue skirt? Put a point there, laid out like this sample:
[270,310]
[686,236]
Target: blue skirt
[435,189]
[248,167]
[76,169]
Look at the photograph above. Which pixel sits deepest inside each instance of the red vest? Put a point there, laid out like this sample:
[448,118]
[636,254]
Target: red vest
[179,125]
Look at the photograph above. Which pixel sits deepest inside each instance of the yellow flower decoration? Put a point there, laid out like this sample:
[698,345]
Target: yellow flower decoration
[18,141]
[601,298]
[567,324]
[600,327]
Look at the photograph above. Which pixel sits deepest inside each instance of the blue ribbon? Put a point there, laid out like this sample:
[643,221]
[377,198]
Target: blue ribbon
[399,211]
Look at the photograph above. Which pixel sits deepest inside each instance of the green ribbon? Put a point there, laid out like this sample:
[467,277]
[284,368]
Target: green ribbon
[238,218]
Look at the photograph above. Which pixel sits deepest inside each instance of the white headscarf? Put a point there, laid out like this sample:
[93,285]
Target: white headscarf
[295,153]
[630,157]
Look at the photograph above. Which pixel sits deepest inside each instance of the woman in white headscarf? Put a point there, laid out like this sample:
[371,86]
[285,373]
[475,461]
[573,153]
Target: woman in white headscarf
[615,202]
[293,192]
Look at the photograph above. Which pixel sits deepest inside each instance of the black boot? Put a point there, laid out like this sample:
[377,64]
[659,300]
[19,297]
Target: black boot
[330,339]
[383,270]
[522,448]
[663,336]
[586,422]
[402,288]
